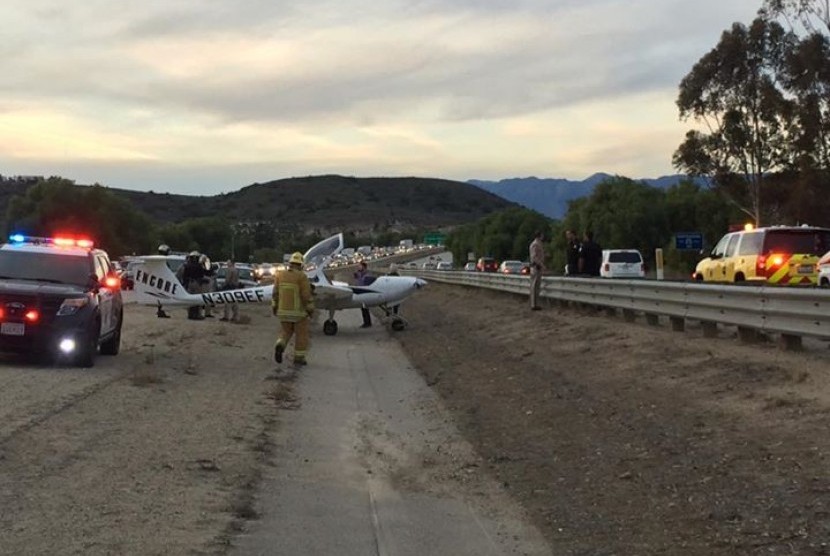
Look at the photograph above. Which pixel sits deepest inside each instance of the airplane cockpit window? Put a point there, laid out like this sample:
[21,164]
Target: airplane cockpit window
[324,250]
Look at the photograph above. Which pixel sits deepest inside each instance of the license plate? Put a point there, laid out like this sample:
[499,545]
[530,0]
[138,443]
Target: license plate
[13,328]
[805,269]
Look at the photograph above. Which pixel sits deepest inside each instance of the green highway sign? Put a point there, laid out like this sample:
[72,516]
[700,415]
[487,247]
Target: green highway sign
[435,238]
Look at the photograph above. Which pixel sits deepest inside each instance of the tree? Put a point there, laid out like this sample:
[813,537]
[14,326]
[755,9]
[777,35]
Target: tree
[58,206]
[733,91]
[504,235]
[812,15]
[622,214]
[807,78]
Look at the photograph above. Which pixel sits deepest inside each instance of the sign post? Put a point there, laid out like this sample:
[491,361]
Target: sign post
[658,259]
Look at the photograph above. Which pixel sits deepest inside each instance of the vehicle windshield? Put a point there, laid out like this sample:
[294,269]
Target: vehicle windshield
[802,242]
[59,268]
[624,257]
[512,264]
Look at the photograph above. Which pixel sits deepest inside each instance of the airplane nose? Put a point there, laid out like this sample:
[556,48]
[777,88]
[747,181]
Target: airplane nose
[420,283]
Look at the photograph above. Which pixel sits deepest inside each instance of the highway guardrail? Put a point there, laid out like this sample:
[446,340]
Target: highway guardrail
[792,312]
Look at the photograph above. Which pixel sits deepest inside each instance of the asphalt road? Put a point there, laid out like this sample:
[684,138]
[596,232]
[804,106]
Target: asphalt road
[368,462]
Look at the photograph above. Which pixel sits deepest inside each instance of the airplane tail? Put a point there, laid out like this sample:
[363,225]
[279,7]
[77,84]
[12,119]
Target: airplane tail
[155,284]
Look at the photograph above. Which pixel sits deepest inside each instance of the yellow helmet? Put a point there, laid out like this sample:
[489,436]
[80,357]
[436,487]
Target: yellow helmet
[296,258]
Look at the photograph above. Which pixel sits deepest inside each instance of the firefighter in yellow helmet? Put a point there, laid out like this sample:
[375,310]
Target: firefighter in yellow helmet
[293,305]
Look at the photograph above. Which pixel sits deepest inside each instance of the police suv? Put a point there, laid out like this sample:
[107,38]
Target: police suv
[59,297]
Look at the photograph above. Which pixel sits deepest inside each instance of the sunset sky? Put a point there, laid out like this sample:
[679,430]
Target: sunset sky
[206,96]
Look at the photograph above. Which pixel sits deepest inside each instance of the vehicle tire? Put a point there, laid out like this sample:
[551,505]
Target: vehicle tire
[330,327]
[698,277]
[86,355]
[825,283]
[113,345]
[739,278]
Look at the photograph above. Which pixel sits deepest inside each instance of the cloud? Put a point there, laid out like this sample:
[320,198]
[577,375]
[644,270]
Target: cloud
[357,83]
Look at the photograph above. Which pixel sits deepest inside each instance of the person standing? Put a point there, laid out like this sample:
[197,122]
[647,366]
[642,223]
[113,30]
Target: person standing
[572,248]
[193,274]
[590,255]
[293,305]
[362,278]
[208,284]
[537,266]
[231,283]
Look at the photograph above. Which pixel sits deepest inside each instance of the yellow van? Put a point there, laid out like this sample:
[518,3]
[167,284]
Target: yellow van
[783,255]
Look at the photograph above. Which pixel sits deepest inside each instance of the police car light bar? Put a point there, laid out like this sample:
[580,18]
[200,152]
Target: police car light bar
[57,241]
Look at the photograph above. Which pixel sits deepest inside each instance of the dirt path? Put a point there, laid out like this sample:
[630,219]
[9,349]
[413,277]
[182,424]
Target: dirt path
[626,439]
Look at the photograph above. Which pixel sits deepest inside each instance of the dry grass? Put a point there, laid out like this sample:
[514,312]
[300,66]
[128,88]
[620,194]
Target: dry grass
[146,375]
[283,396]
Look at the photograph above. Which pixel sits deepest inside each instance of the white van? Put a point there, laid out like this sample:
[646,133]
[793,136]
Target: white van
[622,263]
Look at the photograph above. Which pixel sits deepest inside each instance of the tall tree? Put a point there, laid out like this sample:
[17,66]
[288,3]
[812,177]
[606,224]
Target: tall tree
[807,78]
[734,93]
[812,15]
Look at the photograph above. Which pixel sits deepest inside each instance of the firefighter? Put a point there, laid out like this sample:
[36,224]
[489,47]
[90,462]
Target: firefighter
[293,305]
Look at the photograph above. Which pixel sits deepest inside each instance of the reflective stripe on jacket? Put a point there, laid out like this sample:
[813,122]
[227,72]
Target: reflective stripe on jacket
[293,295]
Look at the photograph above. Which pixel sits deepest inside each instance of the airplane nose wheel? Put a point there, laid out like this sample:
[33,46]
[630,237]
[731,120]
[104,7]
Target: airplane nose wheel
[330,327]
[398,324]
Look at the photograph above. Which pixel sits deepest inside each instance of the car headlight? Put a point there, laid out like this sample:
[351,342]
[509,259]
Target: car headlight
[72,305]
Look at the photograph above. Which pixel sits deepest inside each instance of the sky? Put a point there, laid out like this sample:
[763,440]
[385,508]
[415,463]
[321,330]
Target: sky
[208,96]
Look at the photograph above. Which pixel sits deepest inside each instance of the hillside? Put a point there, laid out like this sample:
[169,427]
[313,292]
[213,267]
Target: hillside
[550,196]
[326,203]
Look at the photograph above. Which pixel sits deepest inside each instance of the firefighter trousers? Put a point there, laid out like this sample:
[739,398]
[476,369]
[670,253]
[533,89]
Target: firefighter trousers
[300,329]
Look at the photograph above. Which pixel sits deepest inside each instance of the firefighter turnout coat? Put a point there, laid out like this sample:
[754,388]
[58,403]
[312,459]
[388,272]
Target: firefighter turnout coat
[292,299]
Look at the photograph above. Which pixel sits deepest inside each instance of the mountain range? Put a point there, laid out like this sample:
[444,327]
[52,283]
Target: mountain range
[331,203]
[550,196]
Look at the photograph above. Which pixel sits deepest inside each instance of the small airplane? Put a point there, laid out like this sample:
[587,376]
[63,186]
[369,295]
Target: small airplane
[155,284]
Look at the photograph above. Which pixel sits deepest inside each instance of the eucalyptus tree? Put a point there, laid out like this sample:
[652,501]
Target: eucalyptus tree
[811,15]
[734,94]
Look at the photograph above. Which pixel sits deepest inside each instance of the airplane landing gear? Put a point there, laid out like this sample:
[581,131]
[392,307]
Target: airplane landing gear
[395,321]
[330,327]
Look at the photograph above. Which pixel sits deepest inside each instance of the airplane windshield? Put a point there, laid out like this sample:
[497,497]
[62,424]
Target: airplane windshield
[319,253]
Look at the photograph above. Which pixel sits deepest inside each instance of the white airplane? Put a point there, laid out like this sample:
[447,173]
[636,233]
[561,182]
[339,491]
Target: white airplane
[155,284]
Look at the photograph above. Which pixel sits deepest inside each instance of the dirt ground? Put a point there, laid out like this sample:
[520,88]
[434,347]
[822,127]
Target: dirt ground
[615,438]
[158,450]
[623,438]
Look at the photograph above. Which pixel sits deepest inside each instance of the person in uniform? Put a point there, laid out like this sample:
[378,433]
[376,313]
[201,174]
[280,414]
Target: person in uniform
[572,248]
[231,283]
[590,255]
[537,266]
[293,305]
